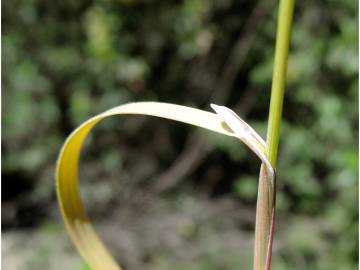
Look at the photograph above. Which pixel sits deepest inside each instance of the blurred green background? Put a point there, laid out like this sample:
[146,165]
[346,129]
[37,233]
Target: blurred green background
[164,195]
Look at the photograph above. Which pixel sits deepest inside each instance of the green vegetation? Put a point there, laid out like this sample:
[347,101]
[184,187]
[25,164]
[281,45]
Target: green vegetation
[266,198]
[283,34]
[65,61]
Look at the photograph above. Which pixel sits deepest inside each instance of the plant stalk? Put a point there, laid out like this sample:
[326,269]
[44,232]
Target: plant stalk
[285,16]
[265,209]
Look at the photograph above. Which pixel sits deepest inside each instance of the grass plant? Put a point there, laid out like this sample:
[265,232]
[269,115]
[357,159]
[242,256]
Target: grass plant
[223,121]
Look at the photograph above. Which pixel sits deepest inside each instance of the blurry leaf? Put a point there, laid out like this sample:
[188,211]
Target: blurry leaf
[246,187]
[24,75]
[81,104]
[344,58]
[99,26]
[61,60]
[304,235]
[129,70]
[301,180]
[262,73]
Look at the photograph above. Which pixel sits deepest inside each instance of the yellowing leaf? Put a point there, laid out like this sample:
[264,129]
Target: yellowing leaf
[79,227]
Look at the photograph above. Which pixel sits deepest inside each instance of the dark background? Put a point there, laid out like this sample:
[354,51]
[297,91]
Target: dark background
[162,194]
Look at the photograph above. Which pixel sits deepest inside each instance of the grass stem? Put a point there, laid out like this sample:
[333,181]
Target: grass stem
[285,17]
[265,209]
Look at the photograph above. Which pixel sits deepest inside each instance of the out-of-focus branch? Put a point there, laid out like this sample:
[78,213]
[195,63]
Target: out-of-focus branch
[196,149]
[238,53]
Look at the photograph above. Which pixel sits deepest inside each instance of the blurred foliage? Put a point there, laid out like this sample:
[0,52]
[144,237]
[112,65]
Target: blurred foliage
[65,61]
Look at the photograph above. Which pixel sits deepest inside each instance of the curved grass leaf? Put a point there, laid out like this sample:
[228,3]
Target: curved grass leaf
[77,222]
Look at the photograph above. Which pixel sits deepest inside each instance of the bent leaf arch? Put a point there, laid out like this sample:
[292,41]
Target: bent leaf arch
[77,222]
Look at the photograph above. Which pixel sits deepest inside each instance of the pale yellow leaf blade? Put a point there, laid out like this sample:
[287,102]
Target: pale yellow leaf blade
[77,222]
[74,214]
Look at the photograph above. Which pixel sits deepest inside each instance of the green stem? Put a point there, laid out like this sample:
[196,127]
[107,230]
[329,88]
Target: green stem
[265,209]
[279,76]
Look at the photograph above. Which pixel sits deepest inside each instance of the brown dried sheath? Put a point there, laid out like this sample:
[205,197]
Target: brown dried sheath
[272,228]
